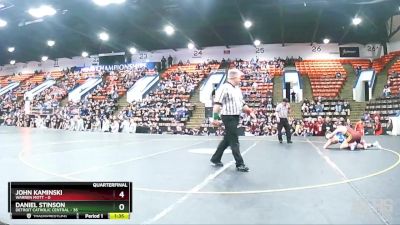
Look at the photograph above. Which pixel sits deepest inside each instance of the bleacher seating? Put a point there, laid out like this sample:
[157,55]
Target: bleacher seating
[331,107]
[27,82]
[394,78]
[57,74]
[326,86]
[255,87]
[386,107]
[116,83]
[3,81]
[168,107]
[316,68]
[363,63]
[322,74]
[379,64]
[15,78]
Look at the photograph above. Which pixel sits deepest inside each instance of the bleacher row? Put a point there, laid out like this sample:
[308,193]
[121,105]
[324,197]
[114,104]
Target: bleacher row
[394,78]
[379,64]
[323,76]
[329,108]
[385,107]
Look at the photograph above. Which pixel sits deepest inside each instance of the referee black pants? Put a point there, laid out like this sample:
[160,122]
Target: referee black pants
[283,122]
[231,138]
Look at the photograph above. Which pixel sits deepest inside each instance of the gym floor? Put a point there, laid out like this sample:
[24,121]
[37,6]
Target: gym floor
[174,182]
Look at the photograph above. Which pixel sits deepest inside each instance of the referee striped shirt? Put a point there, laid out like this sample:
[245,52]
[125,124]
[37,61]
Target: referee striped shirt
[282,110]
[230,98]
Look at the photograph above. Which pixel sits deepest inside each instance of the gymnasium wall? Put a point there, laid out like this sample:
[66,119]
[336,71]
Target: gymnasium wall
[245,52]
[263,52]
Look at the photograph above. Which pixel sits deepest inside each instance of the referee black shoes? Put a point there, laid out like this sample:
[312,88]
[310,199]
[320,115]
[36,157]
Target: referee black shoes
[242,168]
[217,164]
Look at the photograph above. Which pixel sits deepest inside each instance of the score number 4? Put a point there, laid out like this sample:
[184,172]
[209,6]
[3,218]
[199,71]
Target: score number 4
[121,206]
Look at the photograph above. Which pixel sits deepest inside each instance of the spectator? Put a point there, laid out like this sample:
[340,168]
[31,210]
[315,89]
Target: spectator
[318,126]
[269,105]
[163,63]
[304,108]
[311,107]
[213,93]
[114,125]
[299,128]
[389,127]
[319,107]
[254,87]
[309,127]
[386,91]
[394,75]
[378,129]
[328,125]
[346,108]
[339,107]
[358,70]
[170,61]
[293,95]
[359,127]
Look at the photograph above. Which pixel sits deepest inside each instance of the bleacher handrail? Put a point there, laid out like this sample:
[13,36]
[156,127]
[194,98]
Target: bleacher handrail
[372,81]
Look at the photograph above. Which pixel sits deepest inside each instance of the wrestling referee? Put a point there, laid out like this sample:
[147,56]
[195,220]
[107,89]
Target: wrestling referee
[229,103]
[282,112]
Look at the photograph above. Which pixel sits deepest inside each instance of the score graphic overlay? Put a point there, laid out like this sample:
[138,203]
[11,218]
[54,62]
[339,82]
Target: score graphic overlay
[70,200]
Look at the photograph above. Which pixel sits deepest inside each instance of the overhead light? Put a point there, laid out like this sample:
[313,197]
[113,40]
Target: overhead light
[132,50]
[190,45]
[12,62]
[356,20]
[3,23]
[248,24]
[326,41]
[85,54]
[44,58]
[257,42]
[169,30]
[107,2]
[104,36]
[51,43]
[42,11]
[11,49]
